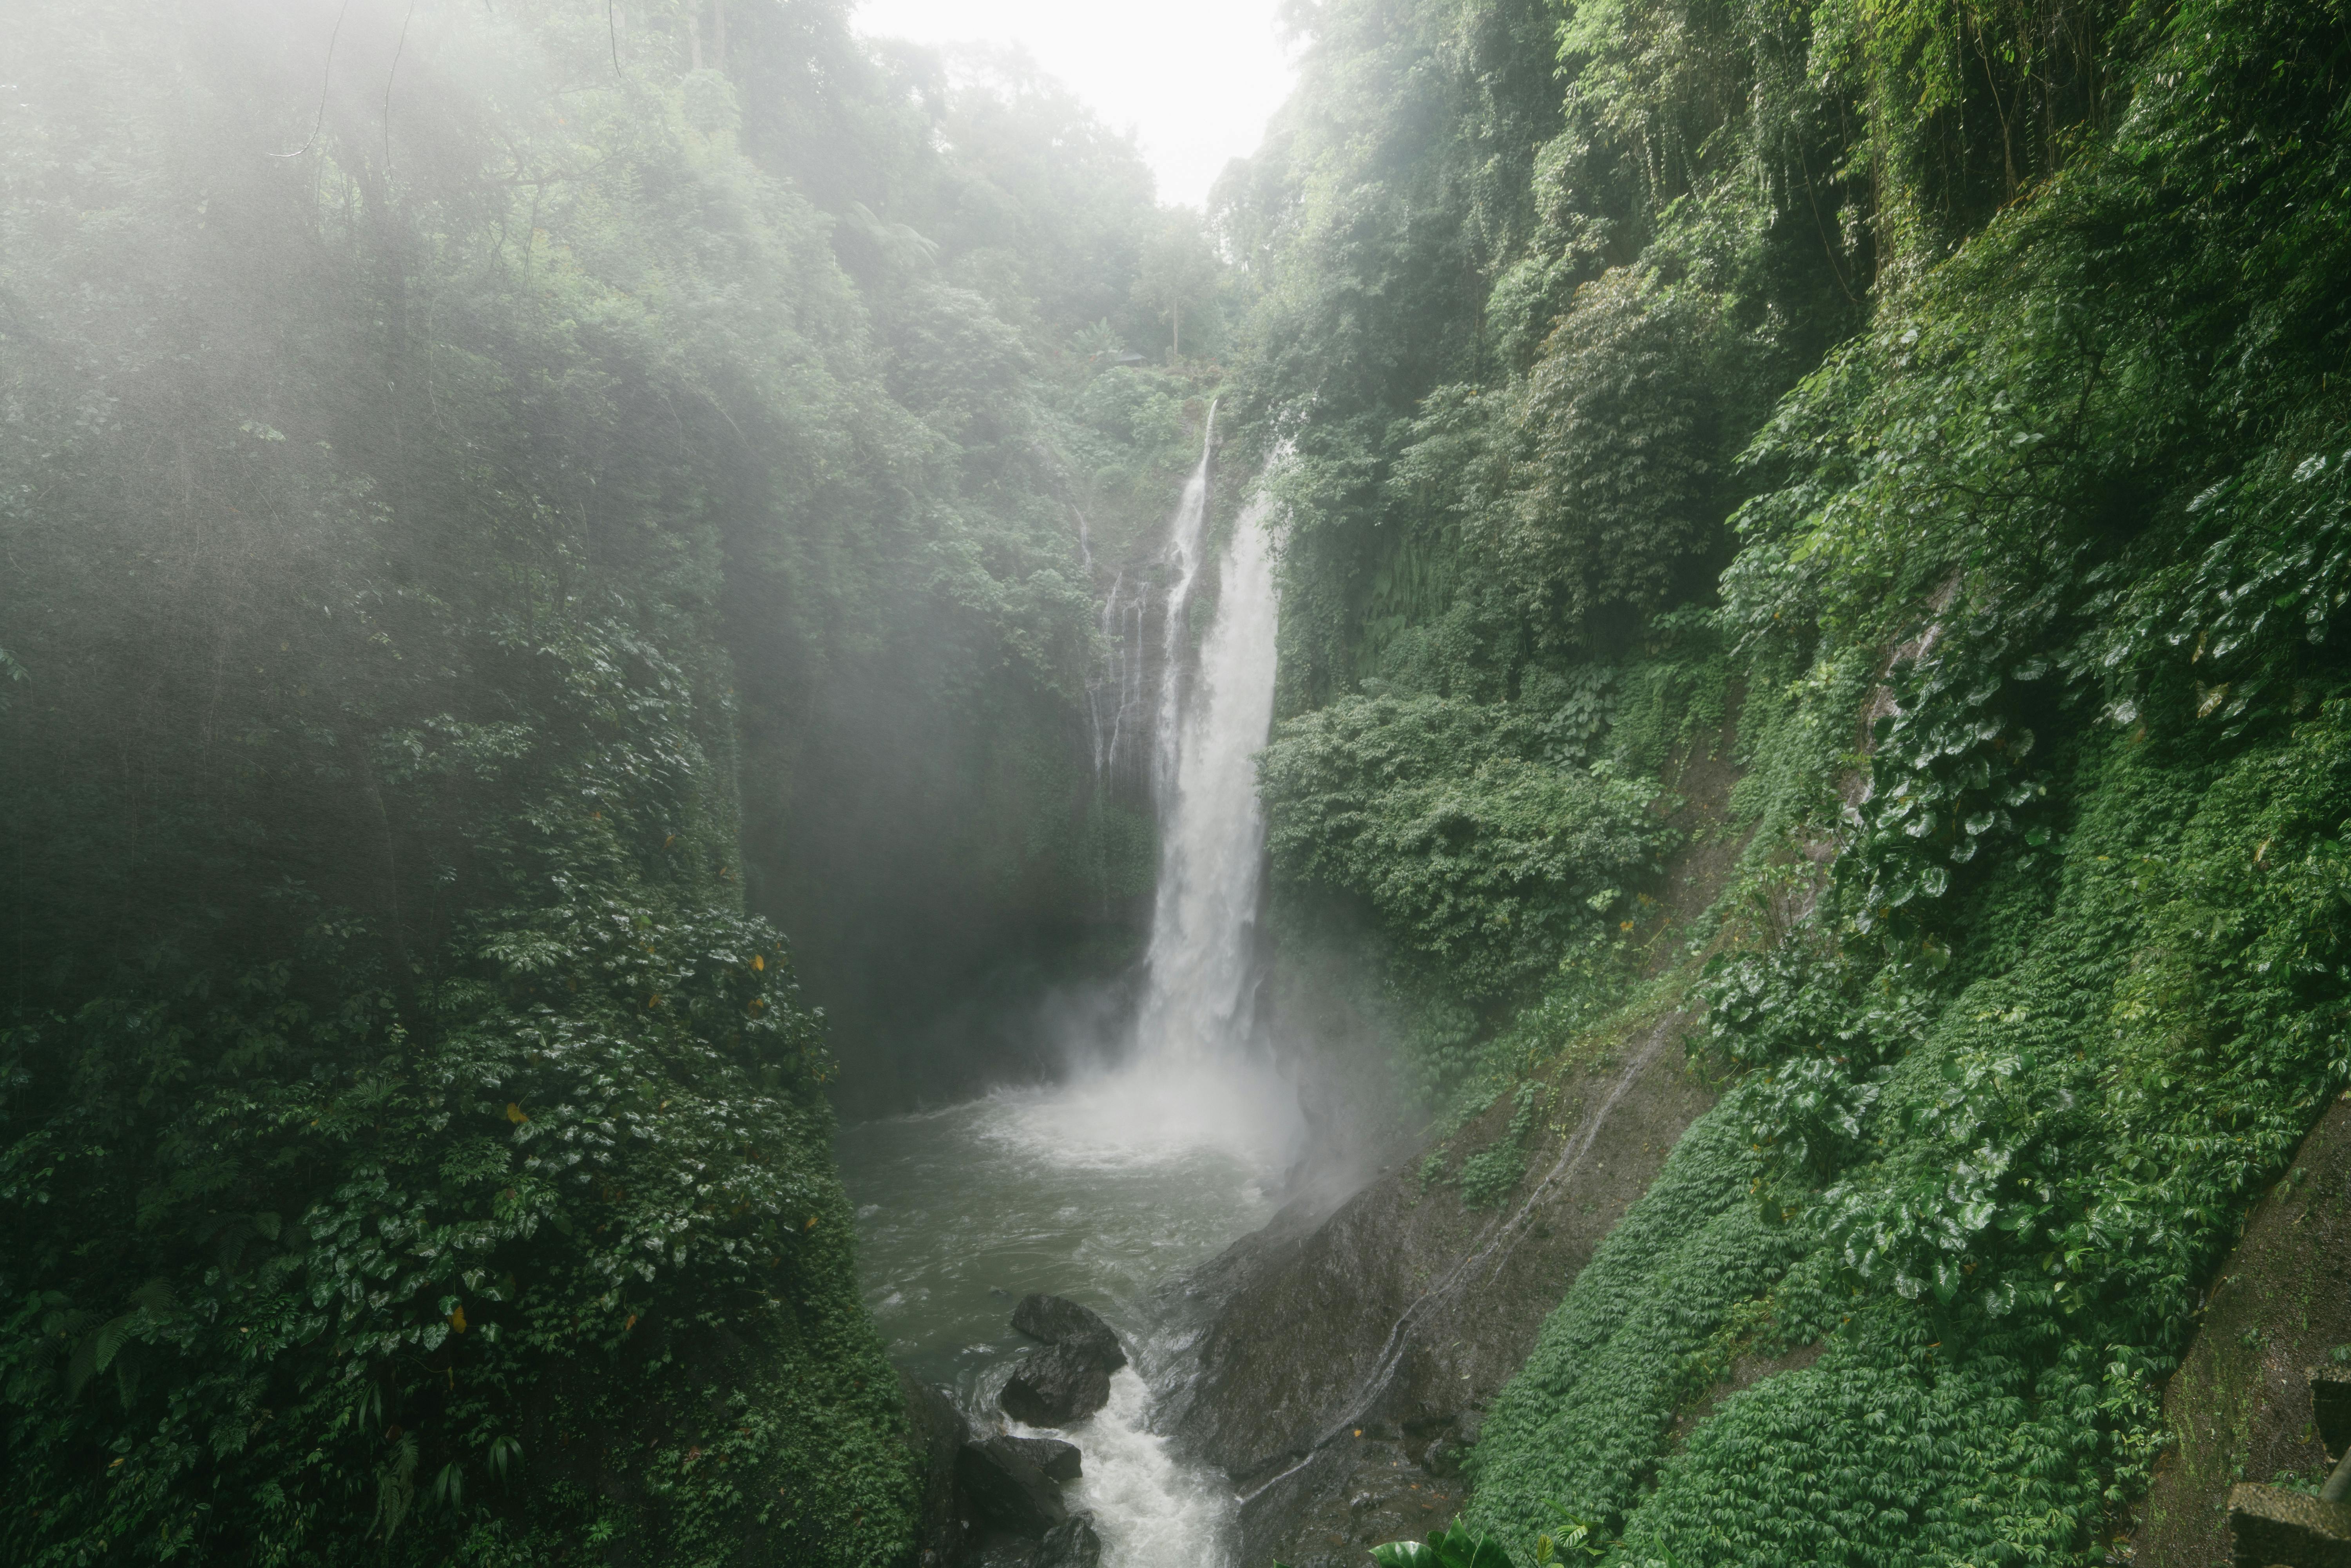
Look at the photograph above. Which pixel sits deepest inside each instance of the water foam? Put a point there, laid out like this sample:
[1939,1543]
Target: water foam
[1151,1511]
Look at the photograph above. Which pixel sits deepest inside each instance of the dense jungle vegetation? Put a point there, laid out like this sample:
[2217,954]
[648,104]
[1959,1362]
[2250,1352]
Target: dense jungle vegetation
[505,509]
[534,531]
[1942,405]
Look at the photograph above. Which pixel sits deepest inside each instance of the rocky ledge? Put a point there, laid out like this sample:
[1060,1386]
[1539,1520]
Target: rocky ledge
[992,1501]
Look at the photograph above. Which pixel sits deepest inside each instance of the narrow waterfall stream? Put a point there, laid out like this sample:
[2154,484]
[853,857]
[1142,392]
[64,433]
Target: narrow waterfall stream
[1100,1187]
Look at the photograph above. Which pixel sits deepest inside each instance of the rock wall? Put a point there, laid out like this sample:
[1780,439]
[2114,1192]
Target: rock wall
[2240,1405]
[1345,1353]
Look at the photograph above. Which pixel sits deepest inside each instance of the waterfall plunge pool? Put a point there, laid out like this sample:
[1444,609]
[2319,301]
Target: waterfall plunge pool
[1099,1189]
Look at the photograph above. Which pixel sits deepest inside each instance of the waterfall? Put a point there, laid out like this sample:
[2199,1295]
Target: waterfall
[1101,1185]
[1184,556]
[1116,694]
[1190,1076]
[1212,830]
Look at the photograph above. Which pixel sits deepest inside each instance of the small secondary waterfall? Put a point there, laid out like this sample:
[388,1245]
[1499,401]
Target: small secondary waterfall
[1115,697]
[1184,555]
[1105,1186]
[1119,712]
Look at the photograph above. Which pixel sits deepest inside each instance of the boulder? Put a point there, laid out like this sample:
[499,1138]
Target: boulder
[1071,1546]
[1008,1488]
[1054,1387]
[936,1432]
[2270,1525]
[1057,1459]
[1058,1321]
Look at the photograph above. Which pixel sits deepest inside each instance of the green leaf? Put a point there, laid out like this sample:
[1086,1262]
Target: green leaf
[1460,1549]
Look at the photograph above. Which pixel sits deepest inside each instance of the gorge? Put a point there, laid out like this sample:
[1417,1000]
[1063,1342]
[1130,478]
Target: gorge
[1618,805]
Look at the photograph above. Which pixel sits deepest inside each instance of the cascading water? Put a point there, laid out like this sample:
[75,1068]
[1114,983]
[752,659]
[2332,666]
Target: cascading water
[1184,557]
[1192,1050]
[1102,1188]
[1114,697]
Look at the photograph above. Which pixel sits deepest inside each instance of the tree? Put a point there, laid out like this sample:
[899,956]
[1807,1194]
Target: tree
[1180,270]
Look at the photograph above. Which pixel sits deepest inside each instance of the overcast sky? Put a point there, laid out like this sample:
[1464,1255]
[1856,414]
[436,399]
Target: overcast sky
[1196,82]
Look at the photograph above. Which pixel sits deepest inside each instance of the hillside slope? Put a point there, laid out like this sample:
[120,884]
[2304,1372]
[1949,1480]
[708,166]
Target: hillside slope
[1967,381]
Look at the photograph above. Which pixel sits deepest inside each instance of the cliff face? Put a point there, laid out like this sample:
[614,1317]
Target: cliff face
[1346,1360]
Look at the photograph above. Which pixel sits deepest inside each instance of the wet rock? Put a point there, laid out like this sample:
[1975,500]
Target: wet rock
[1054,1387]
[1008,1490]
[1057,1459]
[1071,1546]
[2330,1406]
[936,1432]
[1001,1551]
[2242,1407]
[1058,1321]
[1337,1347]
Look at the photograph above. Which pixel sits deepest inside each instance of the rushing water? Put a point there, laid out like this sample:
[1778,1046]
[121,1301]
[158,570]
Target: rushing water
[1102,1188]
[962,1212]
[1212,838]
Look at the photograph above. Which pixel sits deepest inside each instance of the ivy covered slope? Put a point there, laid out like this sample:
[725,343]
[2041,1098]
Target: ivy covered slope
[1965,384]
[440,447]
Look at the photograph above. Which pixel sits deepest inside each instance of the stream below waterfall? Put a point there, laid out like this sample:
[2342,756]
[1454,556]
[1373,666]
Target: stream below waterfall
[1097,1190]
[1103,1186]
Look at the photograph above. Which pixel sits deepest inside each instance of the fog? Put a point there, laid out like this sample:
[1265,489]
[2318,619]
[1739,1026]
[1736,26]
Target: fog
[1195,84]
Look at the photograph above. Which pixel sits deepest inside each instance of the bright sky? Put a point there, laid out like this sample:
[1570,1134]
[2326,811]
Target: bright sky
[1196,82]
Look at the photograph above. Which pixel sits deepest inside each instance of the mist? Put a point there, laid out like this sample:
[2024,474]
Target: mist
[1468,779]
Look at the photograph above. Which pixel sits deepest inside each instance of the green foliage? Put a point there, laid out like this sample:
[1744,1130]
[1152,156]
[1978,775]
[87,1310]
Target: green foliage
[1613,487]
[1493,1172]
[1455,1548]
[2004,342]
[1487,866]
[495,514]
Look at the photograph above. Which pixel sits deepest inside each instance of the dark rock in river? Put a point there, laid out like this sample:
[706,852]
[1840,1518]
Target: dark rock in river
[1008,1488]
[1001,1551]
[937,1431]
[1057,1459]
[1058,1321]
[1055,1387]
[1071,1546]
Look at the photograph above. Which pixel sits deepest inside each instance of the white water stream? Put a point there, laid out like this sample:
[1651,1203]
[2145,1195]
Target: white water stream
[1100,1187]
